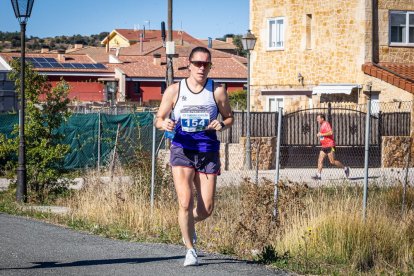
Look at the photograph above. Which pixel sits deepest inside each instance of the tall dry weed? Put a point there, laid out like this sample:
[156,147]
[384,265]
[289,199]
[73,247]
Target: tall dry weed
[315,228]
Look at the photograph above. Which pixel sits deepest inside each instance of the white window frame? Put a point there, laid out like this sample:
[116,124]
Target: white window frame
[278,33]
[276,98]
[375,104]
[407,28]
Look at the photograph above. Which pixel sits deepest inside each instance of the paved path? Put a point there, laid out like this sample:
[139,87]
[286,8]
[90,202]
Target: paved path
[30,247]
[330,176]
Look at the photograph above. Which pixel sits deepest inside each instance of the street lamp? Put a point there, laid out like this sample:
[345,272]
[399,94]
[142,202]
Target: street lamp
[248,41]
[22,10]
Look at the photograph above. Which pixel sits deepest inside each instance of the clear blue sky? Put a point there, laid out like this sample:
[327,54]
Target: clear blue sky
[200,18]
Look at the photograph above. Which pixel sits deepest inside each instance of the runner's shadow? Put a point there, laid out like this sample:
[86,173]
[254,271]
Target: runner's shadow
[40,265]
[361,177]
[210,261]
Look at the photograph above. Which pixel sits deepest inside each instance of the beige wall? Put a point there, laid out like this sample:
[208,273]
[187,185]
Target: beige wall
[117,41]
[337,45]
[391,53]
[341,42]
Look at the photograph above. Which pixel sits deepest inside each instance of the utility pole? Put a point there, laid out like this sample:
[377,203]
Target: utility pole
[170,51]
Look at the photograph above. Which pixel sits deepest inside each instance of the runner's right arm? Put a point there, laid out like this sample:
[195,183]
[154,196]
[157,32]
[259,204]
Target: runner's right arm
[162,120]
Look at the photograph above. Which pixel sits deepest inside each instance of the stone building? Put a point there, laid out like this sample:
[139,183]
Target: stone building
[309,52]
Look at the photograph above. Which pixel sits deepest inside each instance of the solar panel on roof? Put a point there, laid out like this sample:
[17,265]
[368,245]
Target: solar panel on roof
[45,65]
[67,65]
[89,66]
[36,64]
[40,59]
[99,66]
[56,65]
[40,62]
[78,65]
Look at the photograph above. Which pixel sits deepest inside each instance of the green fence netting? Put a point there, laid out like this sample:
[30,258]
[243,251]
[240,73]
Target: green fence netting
[95,135]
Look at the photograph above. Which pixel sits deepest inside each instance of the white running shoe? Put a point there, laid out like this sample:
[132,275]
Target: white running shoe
[346,170]
[316,177]
[191,258]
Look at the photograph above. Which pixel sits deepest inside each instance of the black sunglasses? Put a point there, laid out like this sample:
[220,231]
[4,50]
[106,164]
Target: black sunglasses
[206,64]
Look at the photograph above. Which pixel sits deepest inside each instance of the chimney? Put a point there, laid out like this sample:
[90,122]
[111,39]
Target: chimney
[229,40]
[44,49]
[141,44]
[210,43]
[61,55]
[114,59]
[157,59]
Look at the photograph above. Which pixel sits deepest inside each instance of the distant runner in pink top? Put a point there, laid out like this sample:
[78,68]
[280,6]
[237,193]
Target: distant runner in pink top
[325,135]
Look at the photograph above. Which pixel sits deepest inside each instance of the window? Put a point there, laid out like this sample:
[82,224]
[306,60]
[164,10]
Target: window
[163,87]
[309,31]
[137,88]
[402,28]
[276,32]
[273,103]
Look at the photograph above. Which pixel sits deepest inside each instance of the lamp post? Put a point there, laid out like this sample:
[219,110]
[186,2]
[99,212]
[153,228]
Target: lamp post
[22,10]
[248,41]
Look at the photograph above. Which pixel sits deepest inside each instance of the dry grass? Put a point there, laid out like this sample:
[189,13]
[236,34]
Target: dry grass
[318,230]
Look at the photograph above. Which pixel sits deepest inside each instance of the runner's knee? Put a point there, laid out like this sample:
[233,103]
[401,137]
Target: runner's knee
[186,206]
[205,212]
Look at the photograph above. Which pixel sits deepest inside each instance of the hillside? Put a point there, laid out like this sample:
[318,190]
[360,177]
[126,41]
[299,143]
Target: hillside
[10,41]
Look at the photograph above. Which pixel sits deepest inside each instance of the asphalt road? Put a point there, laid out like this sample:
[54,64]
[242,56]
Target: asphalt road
[31,247]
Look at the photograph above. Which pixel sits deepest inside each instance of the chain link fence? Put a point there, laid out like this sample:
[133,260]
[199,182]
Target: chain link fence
[389,152]
[100,138]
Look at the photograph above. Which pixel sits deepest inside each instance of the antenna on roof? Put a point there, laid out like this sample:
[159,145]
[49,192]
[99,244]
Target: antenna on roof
[163,32]
[181,33]
[149,24]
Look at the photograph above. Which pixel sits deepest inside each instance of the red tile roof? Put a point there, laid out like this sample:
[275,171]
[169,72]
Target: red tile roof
[397,74]
[144,67]
[140,64]
[153,35]
[219,45]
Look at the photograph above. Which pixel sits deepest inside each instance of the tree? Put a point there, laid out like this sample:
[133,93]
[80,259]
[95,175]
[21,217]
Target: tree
[45,151]
[238,100]
[238,43]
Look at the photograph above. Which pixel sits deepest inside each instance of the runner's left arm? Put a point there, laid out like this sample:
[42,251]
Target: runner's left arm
[223,104]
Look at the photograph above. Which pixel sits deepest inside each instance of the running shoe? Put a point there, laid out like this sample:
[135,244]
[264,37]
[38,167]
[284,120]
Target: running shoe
[316,177]
[191,258]
[346,170]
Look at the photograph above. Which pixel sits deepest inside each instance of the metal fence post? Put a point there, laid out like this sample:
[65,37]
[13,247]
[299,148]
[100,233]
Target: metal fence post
[366,159]
[279,134]
[407,166]
[153,165]
[99,141]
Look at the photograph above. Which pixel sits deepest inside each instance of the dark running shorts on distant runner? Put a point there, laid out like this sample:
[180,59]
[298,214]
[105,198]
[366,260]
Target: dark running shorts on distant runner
[202,162]
[328,150]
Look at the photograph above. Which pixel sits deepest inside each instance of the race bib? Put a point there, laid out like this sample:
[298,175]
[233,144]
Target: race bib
[194,119]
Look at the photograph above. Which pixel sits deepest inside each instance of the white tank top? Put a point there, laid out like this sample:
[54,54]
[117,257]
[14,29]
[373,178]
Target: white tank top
[192,113]
[195,110]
